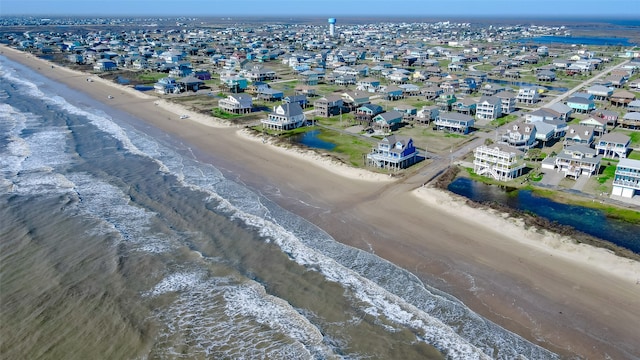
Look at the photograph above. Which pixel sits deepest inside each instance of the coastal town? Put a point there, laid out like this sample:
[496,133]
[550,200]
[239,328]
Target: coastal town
[404,99]
[324,186]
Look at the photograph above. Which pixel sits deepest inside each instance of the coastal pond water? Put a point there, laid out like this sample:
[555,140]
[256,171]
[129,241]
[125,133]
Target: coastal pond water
[590,221]
[521,84]
[310,139]
[581,40]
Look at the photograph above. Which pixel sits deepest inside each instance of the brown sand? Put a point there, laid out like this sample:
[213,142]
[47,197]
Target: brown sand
[572,299]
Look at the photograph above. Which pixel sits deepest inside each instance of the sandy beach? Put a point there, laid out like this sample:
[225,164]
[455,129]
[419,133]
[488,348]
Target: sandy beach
[571,298]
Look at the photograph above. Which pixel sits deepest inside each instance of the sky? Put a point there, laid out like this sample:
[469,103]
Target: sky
[335,8]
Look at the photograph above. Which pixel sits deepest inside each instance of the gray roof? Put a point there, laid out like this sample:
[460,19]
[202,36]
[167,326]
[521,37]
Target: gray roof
[629,163]
[560,107]
[455,116]
[291,109]
[389,115]
[632,116]
[616,138]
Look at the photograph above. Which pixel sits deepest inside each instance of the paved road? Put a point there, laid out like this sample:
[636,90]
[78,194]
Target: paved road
[438,165]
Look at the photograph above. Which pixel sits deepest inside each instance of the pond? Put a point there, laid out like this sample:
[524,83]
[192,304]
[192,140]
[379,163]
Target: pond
[523,84]
[590,221]
[584,40]
[310,139]
[143,87]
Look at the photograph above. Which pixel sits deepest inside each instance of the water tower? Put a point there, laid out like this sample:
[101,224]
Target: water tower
[332,27]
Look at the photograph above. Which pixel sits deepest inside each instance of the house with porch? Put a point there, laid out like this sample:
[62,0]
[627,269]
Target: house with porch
[541,115]
[508,101]
[105,65]
[500,162]
[454,122]
[600,92]
[270,94]
[236,104]
[392,92]
[328,106]
[234,83]
[445,101]
[284,117]
[634,106]
[599,125]
[354,99]
[489,108]
[520,135]
[622,98]
[432,92]
[546,75]
[579,135]
[631,120]
[408,112]
[387,121]
[626,181]
[190,83]
[564,111]
[528,95]
[167,85]
[611,117]
[302,100]
[613,144]
[581,104]
[577,160]
[365,113]
[465,106]
[427,114]
[368,84]
[393,153]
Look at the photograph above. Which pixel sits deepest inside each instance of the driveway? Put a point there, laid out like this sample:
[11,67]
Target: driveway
[551,178]
[580,183]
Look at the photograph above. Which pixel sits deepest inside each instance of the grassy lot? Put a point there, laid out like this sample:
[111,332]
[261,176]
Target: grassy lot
[503,120]
[150,77]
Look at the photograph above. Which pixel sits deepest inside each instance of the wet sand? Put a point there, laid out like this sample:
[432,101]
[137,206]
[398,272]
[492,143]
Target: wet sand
[572,299]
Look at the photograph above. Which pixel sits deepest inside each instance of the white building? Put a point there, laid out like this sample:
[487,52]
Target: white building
[627,178]
[285,117]
[500,162]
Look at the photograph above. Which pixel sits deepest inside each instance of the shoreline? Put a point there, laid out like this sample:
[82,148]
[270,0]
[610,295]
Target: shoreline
[549,272]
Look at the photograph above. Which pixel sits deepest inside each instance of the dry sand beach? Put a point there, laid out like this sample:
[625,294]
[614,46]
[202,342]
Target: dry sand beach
[570,298]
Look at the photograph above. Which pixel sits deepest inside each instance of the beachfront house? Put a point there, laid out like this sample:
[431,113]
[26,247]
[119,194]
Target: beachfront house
[454,122]
[236,104]
[105,65]
[626,182]
[500,162]
[167,85]
[613,144]
[393,153]
[577,160]
[284,117]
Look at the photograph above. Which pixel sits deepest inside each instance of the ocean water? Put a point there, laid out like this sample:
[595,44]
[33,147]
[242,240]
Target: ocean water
[117,243]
